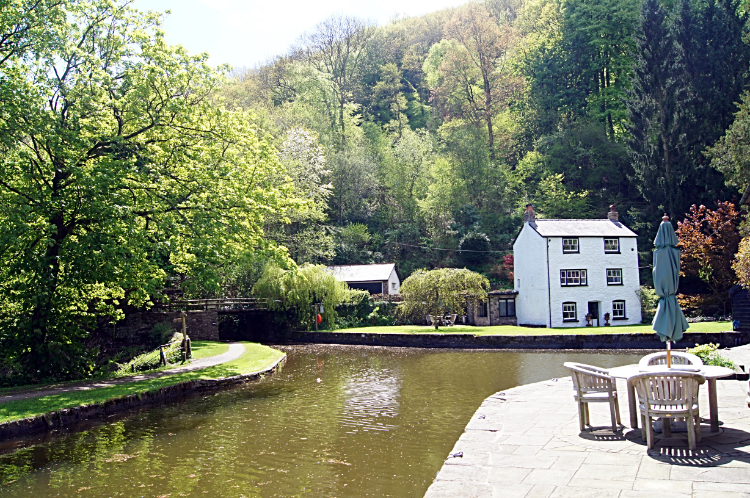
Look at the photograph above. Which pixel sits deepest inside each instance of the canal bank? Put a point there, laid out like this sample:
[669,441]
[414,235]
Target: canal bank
[25,413]
[525,442]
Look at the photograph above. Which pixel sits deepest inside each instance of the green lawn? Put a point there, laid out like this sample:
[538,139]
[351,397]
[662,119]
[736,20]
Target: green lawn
[255,358]
[513,330]
[201,349]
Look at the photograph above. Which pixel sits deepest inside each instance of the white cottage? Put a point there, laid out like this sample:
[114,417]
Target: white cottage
[566,269]
[375,279]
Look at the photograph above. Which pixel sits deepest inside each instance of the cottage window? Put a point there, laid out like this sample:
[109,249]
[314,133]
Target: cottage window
[570,278]
[483,309]
[618,310]
[507,307]
[611,245]
[614,276]
[569,312]
[570,245]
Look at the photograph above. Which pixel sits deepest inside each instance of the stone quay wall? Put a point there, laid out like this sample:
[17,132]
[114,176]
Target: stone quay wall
[557,341]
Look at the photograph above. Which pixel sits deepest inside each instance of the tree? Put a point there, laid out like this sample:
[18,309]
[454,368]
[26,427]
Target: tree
[658,105]
[117,171]
[295,290]
[731,154]
[708,242]
[441,291]
[337,49]
[470,72]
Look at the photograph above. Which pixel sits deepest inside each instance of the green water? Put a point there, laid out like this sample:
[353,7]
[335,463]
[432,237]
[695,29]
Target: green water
[379,422]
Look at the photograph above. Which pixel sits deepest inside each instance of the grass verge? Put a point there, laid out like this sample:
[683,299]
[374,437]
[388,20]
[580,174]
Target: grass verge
[255,358]
[515,330]
[201,349]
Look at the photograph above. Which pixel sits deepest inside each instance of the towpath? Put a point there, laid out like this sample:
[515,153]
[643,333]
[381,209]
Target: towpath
[525,443]
[235,351]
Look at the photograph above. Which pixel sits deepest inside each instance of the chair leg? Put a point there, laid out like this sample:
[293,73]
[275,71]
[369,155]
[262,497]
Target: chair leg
[649,433]
[612,415]
[643,427]
[690,432]
[588,415]
[581,416]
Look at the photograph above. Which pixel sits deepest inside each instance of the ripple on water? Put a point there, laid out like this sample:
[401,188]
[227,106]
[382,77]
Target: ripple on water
[379,423]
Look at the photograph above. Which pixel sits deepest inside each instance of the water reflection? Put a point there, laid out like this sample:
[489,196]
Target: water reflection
[337,421]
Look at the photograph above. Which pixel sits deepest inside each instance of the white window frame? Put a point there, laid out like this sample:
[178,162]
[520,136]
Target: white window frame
[616,249]
[618,312]
[573,245]
[614,276]
[570,310]
[573,278]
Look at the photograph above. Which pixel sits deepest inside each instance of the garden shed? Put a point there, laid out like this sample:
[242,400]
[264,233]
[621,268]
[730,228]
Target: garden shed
[375,279]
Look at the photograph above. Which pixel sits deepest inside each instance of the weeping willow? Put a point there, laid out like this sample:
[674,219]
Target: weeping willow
[294,291]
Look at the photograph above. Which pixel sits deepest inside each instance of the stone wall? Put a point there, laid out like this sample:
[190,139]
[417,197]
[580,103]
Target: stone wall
[136,327]
[558,341]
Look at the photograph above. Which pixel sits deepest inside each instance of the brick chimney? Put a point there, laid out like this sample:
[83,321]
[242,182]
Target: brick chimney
[529,216]
[612,215]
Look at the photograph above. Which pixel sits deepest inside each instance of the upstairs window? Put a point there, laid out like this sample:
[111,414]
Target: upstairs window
[507,307]
[612,245]
[618,310]
[570,278]
[570,245]
[614,276]
[569,312]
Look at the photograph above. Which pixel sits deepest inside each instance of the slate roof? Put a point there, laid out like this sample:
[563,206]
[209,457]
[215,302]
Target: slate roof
[582,228]
[362,273]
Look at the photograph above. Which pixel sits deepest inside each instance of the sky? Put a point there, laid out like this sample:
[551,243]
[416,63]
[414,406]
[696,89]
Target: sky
[250,32]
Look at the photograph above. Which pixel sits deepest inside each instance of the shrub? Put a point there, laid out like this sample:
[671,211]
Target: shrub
[710,356]
[152,360]
[649,300]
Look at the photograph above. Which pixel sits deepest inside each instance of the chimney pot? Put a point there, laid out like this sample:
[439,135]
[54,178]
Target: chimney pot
[529,215]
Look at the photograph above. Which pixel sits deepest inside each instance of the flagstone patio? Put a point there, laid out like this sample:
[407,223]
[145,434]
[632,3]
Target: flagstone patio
[525,442]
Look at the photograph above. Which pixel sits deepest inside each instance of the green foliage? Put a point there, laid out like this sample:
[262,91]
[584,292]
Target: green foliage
[649,301]
[152,359]
[161,333]
[294,291]
[441,291]
[710,356]
[117,168]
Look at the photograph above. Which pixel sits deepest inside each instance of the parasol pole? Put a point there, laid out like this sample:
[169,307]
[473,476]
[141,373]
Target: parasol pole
[669,354]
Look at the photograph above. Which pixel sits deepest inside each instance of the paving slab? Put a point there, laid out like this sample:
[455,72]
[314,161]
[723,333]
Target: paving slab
[525,442]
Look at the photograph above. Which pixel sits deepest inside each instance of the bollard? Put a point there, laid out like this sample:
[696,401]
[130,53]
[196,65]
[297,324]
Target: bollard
[189,348]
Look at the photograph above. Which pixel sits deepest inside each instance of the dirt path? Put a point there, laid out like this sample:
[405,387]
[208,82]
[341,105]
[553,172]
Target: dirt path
[235,351]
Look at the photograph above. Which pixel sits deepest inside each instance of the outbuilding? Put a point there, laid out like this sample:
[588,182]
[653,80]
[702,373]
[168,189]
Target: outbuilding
[375,279]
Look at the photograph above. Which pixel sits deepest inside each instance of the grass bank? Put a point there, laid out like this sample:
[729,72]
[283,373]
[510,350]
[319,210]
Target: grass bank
[514,330]
[255,358]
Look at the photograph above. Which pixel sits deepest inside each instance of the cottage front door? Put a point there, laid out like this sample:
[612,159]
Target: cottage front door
[594,311]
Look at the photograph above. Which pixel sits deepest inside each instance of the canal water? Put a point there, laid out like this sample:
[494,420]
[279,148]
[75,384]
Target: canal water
[345,421]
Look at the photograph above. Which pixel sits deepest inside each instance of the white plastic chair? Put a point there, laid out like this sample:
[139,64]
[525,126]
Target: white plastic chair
[594,385]
[678,358]
[669,393]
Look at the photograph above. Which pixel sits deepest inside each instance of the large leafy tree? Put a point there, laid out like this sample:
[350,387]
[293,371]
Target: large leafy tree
[441,291]
[117,170]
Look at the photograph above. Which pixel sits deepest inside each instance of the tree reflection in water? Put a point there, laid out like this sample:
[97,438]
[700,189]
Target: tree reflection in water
[337,421]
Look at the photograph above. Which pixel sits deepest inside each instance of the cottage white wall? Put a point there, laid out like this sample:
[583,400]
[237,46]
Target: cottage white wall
[393,279]
[591,257]
[530,273]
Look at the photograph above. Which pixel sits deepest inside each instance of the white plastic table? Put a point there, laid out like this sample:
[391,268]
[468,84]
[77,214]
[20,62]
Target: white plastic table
[711,373]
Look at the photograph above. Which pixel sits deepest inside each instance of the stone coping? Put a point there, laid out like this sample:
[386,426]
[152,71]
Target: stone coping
[525,442]
[556,341]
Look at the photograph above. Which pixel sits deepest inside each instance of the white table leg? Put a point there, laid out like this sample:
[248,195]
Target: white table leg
[713,405]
